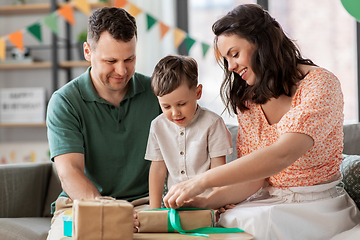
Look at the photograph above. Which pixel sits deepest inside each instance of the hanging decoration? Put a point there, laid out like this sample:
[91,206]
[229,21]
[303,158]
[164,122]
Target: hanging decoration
[352,7]
[16,38]
[35,30]
[2,49]
[150,21]
[51,21]
[66,12]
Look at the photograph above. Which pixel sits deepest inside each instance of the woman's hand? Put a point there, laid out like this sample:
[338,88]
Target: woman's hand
[183,192]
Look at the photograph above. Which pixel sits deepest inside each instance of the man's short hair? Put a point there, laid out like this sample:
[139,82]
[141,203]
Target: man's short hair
[171,71]
[116,21]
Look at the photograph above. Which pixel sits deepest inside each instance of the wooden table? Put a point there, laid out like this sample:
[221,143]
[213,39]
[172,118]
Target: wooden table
[177,236]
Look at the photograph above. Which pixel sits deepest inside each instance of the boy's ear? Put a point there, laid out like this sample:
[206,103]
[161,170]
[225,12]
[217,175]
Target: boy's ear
[198,91]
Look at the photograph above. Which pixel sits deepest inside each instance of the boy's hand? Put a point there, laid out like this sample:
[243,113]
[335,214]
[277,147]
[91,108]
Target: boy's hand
[136,223]
[222,210]
[226,207]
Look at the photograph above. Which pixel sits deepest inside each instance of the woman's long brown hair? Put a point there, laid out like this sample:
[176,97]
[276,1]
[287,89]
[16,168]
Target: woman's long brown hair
[274,60]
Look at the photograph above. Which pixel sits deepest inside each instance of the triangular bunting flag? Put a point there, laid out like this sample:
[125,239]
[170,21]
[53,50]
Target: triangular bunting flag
[134,10]
[2,49]
[179,36]
[163,29]
[120,3]
[150,21]
[51,22]
[83,6]
[205,48]
[35,30]
[189,43]
[16,38]
[67,12]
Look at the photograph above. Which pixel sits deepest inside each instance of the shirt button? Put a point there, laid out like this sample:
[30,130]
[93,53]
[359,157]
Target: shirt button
[182,133]
[112,107]
[182,172]
[181,153]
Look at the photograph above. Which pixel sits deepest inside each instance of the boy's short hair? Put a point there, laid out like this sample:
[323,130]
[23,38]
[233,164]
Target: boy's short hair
[171,71]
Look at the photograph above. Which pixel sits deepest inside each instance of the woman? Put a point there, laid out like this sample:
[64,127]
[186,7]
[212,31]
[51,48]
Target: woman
[290,115]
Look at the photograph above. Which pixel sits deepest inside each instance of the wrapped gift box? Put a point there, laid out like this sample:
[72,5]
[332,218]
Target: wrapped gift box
[100,219]
[68,222]
[158,220]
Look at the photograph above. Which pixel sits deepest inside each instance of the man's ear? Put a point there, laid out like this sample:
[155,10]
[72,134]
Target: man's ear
[87,51]
[198,91]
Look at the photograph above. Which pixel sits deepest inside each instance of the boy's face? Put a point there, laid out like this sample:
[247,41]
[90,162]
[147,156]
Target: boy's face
[179,106]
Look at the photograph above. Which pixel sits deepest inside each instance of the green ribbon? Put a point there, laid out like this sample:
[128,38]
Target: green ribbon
[174,224]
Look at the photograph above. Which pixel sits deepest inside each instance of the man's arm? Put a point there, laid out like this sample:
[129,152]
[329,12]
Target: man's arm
[70,168]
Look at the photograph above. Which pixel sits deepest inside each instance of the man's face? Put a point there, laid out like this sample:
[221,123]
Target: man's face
[113,63]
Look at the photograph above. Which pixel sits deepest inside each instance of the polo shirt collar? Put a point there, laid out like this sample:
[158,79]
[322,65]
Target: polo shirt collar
[88,92]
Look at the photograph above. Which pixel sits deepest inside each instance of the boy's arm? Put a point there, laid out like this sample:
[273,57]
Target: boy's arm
[157,176]
[217,161]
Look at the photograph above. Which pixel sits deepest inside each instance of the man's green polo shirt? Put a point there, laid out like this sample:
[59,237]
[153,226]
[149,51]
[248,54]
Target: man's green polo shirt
[113,140]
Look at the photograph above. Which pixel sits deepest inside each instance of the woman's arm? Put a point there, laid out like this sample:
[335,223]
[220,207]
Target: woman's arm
[258,165]
[226,195]
[157,177]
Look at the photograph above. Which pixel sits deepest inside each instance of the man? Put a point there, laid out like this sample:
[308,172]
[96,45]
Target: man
[98,123]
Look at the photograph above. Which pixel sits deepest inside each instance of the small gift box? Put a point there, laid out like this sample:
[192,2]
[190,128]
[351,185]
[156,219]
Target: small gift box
[159,220]
[102,218]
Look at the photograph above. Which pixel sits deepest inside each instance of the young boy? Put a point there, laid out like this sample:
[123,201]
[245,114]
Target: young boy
[186,139]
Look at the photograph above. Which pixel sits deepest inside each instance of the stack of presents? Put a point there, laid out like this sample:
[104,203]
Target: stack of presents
[105,218]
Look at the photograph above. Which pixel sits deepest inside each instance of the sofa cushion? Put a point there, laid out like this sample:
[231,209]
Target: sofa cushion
[23,189]
[350,169]
[24,228]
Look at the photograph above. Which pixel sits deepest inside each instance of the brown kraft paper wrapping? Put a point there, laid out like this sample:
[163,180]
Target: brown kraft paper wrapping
[102,219]
[157,220]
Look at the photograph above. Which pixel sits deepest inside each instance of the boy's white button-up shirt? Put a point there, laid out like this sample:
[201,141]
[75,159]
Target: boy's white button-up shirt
[187,150]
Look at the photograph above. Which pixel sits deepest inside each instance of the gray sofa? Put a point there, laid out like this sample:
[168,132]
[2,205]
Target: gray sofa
[26,190]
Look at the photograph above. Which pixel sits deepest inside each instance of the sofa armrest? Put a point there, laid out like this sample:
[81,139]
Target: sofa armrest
[53,191]
[351,139]
[350,169]
[233,130]
[23,188]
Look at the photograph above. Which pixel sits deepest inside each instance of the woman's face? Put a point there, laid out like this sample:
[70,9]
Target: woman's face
[237,51]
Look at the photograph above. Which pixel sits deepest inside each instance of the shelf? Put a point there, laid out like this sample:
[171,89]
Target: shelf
[70,64]
[37,8]
[26,65]
[36,65]
[23,124]
[25,9]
